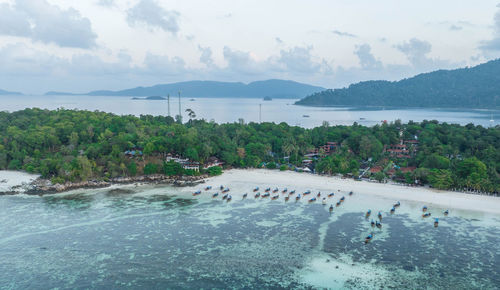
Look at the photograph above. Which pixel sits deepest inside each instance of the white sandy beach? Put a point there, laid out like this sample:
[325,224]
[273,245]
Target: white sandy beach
[303,181]
[14,181]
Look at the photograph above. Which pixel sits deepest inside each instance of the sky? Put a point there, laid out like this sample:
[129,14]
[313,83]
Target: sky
[84,45]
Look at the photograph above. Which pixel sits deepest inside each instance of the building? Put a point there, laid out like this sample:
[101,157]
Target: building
[211,162]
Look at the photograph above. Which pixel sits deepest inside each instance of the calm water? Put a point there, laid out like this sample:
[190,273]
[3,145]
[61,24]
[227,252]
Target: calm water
[230,110]
[162,237]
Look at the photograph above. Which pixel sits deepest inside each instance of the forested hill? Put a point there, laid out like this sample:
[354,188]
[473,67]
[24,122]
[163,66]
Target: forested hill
[202,89]
[475,87]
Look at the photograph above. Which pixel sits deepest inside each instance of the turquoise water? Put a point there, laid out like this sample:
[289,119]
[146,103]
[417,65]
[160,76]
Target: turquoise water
[163,237]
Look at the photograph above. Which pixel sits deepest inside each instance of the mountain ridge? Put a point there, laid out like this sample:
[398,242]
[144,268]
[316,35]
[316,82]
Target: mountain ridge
[205,89]
[474,87]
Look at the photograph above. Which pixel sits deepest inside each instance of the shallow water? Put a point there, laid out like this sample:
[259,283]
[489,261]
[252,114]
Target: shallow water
[163,237]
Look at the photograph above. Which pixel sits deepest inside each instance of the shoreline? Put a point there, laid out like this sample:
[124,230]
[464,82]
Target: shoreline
[282,179]
[40,186]
[394,192]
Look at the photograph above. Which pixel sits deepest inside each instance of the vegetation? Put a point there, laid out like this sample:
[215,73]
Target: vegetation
[69,145]
[476,87]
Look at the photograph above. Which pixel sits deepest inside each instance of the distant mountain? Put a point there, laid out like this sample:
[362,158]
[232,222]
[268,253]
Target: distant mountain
[475,87]
[2,92]
[205,89]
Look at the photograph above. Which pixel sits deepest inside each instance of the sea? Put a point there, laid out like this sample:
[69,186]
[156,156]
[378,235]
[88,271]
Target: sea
[163,237]
[228,110]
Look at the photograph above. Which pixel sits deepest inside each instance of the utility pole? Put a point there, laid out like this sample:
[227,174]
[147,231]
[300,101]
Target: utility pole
[168,100]
[260,113]
[180,104]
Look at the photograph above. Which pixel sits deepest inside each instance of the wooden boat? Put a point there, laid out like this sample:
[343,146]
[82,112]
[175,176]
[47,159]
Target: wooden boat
[372,223]
[424,209]
[436,222]
[393,209]
[324,201]
[331,194]
[331,208]
[229,198]
[297,197]
[350,192]
[338,203]
[287,198]
[427,214]
[446,212]
[292,192]
[275,190]
[378,225]
[342,199]
[225,196]
[284,190]
[319,194]
[368,238]
[245,195]
[268,189]
[307,192]
[257,194]
[221,187]
[397,204]
[197,192]
[368,213]
[312,199]
[225,190]
[275,197]
[215,195]
[256,189]
[379,215]
[208,188]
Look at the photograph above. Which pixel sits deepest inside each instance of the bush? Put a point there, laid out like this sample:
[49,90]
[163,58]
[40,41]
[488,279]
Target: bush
[271,165]
[57,180]
[150,168]
[215,170]
[283,167]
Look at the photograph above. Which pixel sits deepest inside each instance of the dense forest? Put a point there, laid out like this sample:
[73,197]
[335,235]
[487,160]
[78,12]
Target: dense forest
[70,145]
[475,87]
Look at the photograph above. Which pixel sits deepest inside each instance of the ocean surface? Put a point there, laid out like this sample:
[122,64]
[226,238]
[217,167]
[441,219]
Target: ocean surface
[223,110]
[161,237]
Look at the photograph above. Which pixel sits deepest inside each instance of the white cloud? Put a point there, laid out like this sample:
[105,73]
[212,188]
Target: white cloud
[494,43]
[151,14]
[366,58]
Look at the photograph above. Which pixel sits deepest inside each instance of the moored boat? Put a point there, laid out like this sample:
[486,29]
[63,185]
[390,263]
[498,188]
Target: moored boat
[397,204]
[446,212]
[368,238]
[297,197]
[215,195]
[378,225]
[257,194]
[324,201]
[229,198]
[368,213]
[427,214]
[379,215]
[225,196]
[424,209]
[372,223]
[197,192]
[331,194]
[331,208]
[287,198]
[436,222]
[245,195]
[393,209]
[256,189]
[292,192]
[208,187]
[275,197]
[313,199]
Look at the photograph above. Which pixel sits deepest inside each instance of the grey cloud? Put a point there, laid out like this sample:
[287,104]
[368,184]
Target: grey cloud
[161,64]
[299,60]
[41,21]
[493,45]
[278,40]
[206,56]
[241,61]
[454,27]
[416,51]
[366,58]
[150,13]
[343,34]
[13,22]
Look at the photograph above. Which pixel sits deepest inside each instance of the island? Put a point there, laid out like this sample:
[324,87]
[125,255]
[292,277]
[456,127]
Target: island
[90,148]
[151,98]
[471,87]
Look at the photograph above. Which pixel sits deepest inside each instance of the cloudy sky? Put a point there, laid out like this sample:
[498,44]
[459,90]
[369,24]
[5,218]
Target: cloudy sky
[82,45]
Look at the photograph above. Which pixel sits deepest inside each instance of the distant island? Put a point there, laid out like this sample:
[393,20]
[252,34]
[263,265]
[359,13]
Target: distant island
[474,87]
[151,98]
[211,89]
[3,92]
[268,98]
